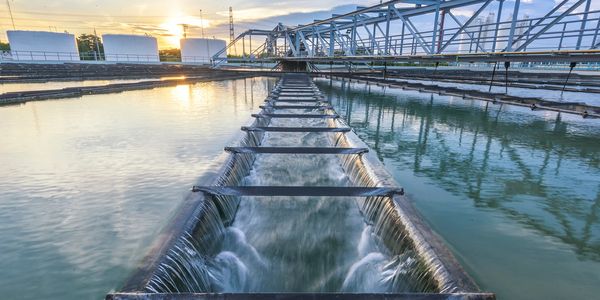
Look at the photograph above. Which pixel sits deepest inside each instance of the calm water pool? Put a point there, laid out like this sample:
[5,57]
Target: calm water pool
[51,85]
[85,184]
[515,193]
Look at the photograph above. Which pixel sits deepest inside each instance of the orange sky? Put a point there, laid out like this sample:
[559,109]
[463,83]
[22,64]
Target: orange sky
[161,19]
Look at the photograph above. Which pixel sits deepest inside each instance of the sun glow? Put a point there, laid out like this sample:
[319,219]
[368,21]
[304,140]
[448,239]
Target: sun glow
[173,29]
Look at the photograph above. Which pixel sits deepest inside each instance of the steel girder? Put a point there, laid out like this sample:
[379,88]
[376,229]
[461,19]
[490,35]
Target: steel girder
[389,28]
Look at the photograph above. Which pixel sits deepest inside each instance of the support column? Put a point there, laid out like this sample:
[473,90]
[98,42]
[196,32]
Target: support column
[353,42]
[498,20]
[562,36]
[402,40]
[583,24]
[441,37]
[511,35]
[243,46]
[387,31]
[331,41]
[596,33]
[435,27]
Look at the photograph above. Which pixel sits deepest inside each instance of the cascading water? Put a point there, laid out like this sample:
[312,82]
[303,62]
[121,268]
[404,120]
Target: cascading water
[300,244]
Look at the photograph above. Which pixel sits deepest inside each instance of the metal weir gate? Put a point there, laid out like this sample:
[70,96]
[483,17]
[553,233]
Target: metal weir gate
[172,269]
[429,29]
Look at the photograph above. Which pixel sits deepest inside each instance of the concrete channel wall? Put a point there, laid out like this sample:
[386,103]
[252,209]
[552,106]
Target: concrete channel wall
[190,226]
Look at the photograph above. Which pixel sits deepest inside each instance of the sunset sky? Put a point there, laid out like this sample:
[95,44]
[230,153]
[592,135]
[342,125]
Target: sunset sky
[162,18]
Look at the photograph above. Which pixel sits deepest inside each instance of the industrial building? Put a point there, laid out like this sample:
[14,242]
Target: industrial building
[198,50]
[130,48]
[42,45]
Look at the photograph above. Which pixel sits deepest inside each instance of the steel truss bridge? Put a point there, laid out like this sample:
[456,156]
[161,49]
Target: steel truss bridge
[431,30]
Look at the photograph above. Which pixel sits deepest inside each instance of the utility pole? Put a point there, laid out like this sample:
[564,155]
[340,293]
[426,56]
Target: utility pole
[201,24]
[11,15]
[231,33]
[97,44]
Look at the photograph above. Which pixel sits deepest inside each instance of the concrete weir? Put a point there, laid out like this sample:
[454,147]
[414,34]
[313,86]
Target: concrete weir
[13,98]
[534,103]
[179,264]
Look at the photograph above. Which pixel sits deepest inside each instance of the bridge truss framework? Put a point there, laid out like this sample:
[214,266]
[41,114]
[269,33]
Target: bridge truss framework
[434,30]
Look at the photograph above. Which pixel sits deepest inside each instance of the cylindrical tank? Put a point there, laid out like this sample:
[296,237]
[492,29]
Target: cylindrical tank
[42,45]
[196,50]
[130,48]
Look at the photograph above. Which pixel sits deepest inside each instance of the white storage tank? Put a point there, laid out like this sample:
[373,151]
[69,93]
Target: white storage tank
[130,48]
[195,50]
[42,45]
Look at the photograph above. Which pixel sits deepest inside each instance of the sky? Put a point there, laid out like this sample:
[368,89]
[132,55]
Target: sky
[162,19]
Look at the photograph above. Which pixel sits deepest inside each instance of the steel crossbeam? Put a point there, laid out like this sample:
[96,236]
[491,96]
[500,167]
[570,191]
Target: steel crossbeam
[299,191]
[296,150]
[418,27]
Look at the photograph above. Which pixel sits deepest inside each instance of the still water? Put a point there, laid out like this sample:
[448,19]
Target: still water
[86,184]
[54,85]
[515,193]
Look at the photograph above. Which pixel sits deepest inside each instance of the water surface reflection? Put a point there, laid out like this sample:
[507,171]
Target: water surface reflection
[515,193]
[86,184]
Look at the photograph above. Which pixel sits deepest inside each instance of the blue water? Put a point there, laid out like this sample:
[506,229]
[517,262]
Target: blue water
[86,184]
[515,193]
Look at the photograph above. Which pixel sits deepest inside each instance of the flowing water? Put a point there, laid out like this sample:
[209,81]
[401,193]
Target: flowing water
[86,184]
[515,193]
[293,244]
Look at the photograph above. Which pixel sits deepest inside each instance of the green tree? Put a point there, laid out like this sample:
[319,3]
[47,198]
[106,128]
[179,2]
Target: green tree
[88,45]
[4,46]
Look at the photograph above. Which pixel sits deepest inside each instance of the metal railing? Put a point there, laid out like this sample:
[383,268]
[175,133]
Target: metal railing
[432,27]
[51,56]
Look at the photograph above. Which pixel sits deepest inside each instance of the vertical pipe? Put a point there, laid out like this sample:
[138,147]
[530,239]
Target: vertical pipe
[493,75]
[498,20]
[583,24]
[513,24]
[506,66]
[571,67]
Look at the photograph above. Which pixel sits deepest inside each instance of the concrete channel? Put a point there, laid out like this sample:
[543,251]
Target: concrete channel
[167,272]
